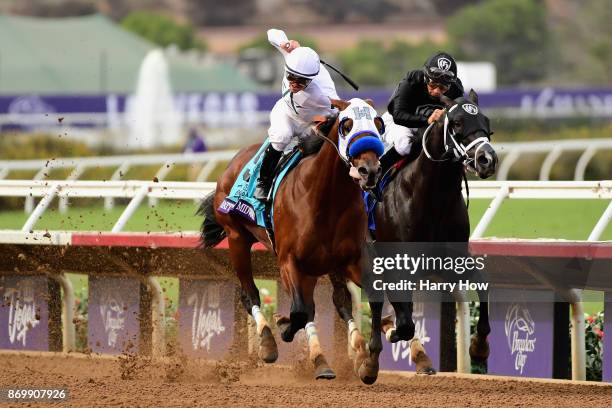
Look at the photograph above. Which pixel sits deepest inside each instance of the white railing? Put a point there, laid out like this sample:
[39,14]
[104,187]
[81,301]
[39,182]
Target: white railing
[554,148]
[122,164]
[137,191]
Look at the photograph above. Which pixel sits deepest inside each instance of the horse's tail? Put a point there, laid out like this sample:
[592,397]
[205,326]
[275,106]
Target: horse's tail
[211,232]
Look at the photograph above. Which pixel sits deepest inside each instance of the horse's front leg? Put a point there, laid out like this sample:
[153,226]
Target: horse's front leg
[240,256]
[302,316]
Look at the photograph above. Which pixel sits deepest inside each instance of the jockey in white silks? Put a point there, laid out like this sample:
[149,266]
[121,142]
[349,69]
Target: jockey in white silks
[307,91]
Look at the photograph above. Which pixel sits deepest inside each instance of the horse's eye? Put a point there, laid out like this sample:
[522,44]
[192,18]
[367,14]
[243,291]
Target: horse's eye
[347,125]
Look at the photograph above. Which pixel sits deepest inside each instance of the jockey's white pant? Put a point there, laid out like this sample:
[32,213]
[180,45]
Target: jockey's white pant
[396,135]
[284,126]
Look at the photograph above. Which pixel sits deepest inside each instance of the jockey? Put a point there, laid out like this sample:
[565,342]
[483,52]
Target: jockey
[307,91]
[415,104]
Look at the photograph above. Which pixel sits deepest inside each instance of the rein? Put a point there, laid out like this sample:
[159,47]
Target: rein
[331,142]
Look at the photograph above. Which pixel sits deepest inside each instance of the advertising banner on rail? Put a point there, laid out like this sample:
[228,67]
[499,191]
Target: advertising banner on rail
[206,317]
[24,313]
[521,338]
[114,324]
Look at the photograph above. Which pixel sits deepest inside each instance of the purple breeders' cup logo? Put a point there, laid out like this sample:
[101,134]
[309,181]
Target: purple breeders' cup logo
[22,311]
[520,334]
[206,321]
[444,63]
[112,313]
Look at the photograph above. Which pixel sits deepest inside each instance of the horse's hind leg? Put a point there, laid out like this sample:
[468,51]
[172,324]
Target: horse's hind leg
[404,329]
[240,255]
[344,305]
[479,346]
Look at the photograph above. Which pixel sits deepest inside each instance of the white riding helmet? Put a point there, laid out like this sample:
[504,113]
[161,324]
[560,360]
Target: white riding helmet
[303,62]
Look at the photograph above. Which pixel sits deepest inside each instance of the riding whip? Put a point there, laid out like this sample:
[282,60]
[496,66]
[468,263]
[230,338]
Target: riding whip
[347,79]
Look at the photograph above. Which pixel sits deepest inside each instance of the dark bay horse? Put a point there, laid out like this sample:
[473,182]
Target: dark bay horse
[423,203]
[320,226]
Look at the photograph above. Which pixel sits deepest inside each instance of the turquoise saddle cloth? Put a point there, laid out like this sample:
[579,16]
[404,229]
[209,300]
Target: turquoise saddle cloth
[240,199]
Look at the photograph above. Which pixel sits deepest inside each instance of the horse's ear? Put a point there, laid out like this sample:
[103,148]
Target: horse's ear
[447,101]
[473,96]
[369,102]
[340,104]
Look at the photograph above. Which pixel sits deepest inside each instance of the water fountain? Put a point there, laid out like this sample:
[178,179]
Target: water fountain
[153,120]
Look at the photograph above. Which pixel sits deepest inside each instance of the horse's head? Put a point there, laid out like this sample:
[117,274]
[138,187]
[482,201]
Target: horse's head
[359,128]
[467,133]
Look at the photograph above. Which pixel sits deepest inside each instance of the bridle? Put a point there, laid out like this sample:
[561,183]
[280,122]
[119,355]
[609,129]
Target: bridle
[457,151]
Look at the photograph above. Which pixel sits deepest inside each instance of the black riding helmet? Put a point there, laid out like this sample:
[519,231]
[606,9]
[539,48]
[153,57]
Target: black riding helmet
[441,68]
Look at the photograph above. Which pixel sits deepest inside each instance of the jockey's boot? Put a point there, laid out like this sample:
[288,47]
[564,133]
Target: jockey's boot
[388,159]
[268,164]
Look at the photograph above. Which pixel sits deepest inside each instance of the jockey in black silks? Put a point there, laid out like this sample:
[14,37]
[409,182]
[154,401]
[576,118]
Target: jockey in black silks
[416,103]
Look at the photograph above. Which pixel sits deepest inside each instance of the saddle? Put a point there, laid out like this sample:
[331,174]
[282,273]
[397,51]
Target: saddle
[240,200]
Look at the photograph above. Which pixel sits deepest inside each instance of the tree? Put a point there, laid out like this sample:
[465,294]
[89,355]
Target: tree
[162,30]
[215,13]
[370,63]
[513,34]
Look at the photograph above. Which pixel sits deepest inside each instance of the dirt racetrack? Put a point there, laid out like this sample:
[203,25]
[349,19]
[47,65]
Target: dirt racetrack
[176,382]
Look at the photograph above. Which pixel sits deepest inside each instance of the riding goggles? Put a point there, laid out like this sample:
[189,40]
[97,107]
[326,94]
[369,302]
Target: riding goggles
[439,75]
[434,84]
[298,80]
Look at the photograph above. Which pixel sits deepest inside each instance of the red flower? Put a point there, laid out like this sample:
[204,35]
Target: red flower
[590,319]
[268,300]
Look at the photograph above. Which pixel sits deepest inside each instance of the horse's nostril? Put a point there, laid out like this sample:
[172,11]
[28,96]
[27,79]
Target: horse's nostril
[363,171]
[483,160]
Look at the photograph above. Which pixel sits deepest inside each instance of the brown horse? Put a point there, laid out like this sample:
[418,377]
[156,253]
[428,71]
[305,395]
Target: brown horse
[423,203]
[320,226]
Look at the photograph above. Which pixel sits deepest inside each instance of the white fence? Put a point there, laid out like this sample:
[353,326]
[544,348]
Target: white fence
[554,148]
[137,191]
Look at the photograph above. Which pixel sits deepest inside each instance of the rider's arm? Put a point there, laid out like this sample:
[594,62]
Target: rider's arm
[403,105]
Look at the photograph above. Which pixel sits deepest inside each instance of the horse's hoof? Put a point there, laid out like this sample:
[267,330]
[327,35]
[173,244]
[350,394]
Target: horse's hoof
[268,351]
[322,370]
[479,349]
[284,325]
[426,371]
[325,374]
[368,372]
[421,360]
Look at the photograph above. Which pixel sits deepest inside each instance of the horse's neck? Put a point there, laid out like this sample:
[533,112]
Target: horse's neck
[432,175]
[329,176]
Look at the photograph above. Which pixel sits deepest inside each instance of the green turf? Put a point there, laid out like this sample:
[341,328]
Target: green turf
[168,216]
[560,219]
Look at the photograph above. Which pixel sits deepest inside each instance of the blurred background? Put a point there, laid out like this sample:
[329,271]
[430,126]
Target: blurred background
[102,77]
